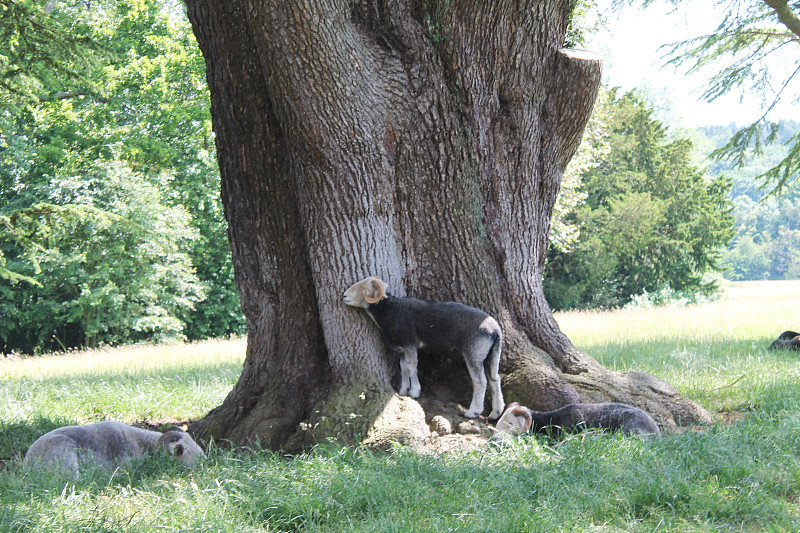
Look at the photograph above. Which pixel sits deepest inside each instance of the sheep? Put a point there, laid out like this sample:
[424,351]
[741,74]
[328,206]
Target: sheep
[409,325]
[575,417]
[108,444]
[788,340]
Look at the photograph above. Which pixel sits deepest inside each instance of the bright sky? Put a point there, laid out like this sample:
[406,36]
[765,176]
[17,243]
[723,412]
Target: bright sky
[632,60]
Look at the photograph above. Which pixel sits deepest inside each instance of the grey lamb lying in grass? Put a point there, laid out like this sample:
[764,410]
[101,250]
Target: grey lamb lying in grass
[576,417]
[107,445]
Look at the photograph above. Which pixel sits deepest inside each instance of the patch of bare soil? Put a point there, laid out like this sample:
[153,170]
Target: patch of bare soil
[453,444]
[451,432]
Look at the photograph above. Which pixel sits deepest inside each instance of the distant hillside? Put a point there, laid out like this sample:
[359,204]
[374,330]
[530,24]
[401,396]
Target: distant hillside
[720,134]
[744,179]
[767,243]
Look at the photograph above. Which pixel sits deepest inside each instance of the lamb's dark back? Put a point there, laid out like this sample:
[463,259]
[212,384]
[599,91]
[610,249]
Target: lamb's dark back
[613,416]
[404,321]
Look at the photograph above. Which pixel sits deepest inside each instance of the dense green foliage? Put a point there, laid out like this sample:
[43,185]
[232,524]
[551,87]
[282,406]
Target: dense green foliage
[45,53]
[650,221]
[767,242]
[146,139]
[741,473]
[106,265]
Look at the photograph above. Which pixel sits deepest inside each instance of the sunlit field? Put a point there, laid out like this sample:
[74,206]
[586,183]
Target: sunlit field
[151,384]
[751,312]
[715,353]
[741,473]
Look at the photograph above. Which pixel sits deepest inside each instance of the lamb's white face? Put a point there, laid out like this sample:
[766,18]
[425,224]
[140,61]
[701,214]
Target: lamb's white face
[181,445]
[364,292]
[513,423]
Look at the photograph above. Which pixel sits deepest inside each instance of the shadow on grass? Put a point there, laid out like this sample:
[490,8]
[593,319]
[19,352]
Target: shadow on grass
[725,478]
[16,437]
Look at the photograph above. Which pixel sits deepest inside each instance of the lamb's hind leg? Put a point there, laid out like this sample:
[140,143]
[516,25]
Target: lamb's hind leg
[57,452]
[478,389]
[497,397]
[409,380]
[492,368]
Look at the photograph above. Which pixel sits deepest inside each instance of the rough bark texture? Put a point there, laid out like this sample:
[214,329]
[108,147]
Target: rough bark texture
[785,14]
[420,141]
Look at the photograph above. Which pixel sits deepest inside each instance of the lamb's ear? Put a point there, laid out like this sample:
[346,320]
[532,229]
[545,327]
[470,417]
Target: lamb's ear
[176,449]
[170,440]
[525,414]
[374,292]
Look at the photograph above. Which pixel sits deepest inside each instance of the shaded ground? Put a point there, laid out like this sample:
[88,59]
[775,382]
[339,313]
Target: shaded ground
[451,432]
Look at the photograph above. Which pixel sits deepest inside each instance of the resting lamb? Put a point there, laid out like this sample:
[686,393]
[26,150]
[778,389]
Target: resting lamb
[107,445]
[576,417]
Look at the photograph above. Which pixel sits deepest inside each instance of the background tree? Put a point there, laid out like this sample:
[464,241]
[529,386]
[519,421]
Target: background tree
[149,114]
[754,51]
[45,53]
[650,221]
[423,142]
[105,264]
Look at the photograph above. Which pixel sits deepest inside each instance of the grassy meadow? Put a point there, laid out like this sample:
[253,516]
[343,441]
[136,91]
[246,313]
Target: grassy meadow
[741,473]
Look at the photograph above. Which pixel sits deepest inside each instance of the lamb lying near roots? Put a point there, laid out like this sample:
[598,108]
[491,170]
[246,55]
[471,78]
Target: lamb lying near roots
[788,340]
[108,444]
[412,324]
[575,417]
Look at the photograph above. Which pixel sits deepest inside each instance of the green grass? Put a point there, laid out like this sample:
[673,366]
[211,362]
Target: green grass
[715,353]
[171,383]
[740,474]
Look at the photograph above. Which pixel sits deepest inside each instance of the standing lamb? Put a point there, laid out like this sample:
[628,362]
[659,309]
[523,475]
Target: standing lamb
[412,324]
[576,417]
[108,444]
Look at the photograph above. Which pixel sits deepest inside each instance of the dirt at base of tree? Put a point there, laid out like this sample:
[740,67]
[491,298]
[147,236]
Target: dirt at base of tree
[451,431]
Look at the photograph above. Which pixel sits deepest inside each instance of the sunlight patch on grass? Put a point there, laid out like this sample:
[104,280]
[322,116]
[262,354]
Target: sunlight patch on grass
[751,312]
[157,384]
[129,360]
[715,352]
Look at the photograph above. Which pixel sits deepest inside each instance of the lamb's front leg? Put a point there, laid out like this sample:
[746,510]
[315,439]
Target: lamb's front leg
[409,380]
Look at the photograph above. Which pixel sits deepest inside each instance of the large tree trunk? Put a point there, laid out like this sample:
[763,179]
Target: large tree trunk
[422,142]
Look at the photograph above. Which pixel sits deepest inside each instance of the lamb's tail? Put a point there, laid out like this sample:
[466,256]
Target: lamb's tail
[492,363]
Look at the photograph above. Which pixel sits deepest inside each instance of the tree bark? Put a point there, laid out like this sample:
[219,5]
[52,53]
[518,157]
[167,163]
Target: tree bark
[422,142]
[786,16]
